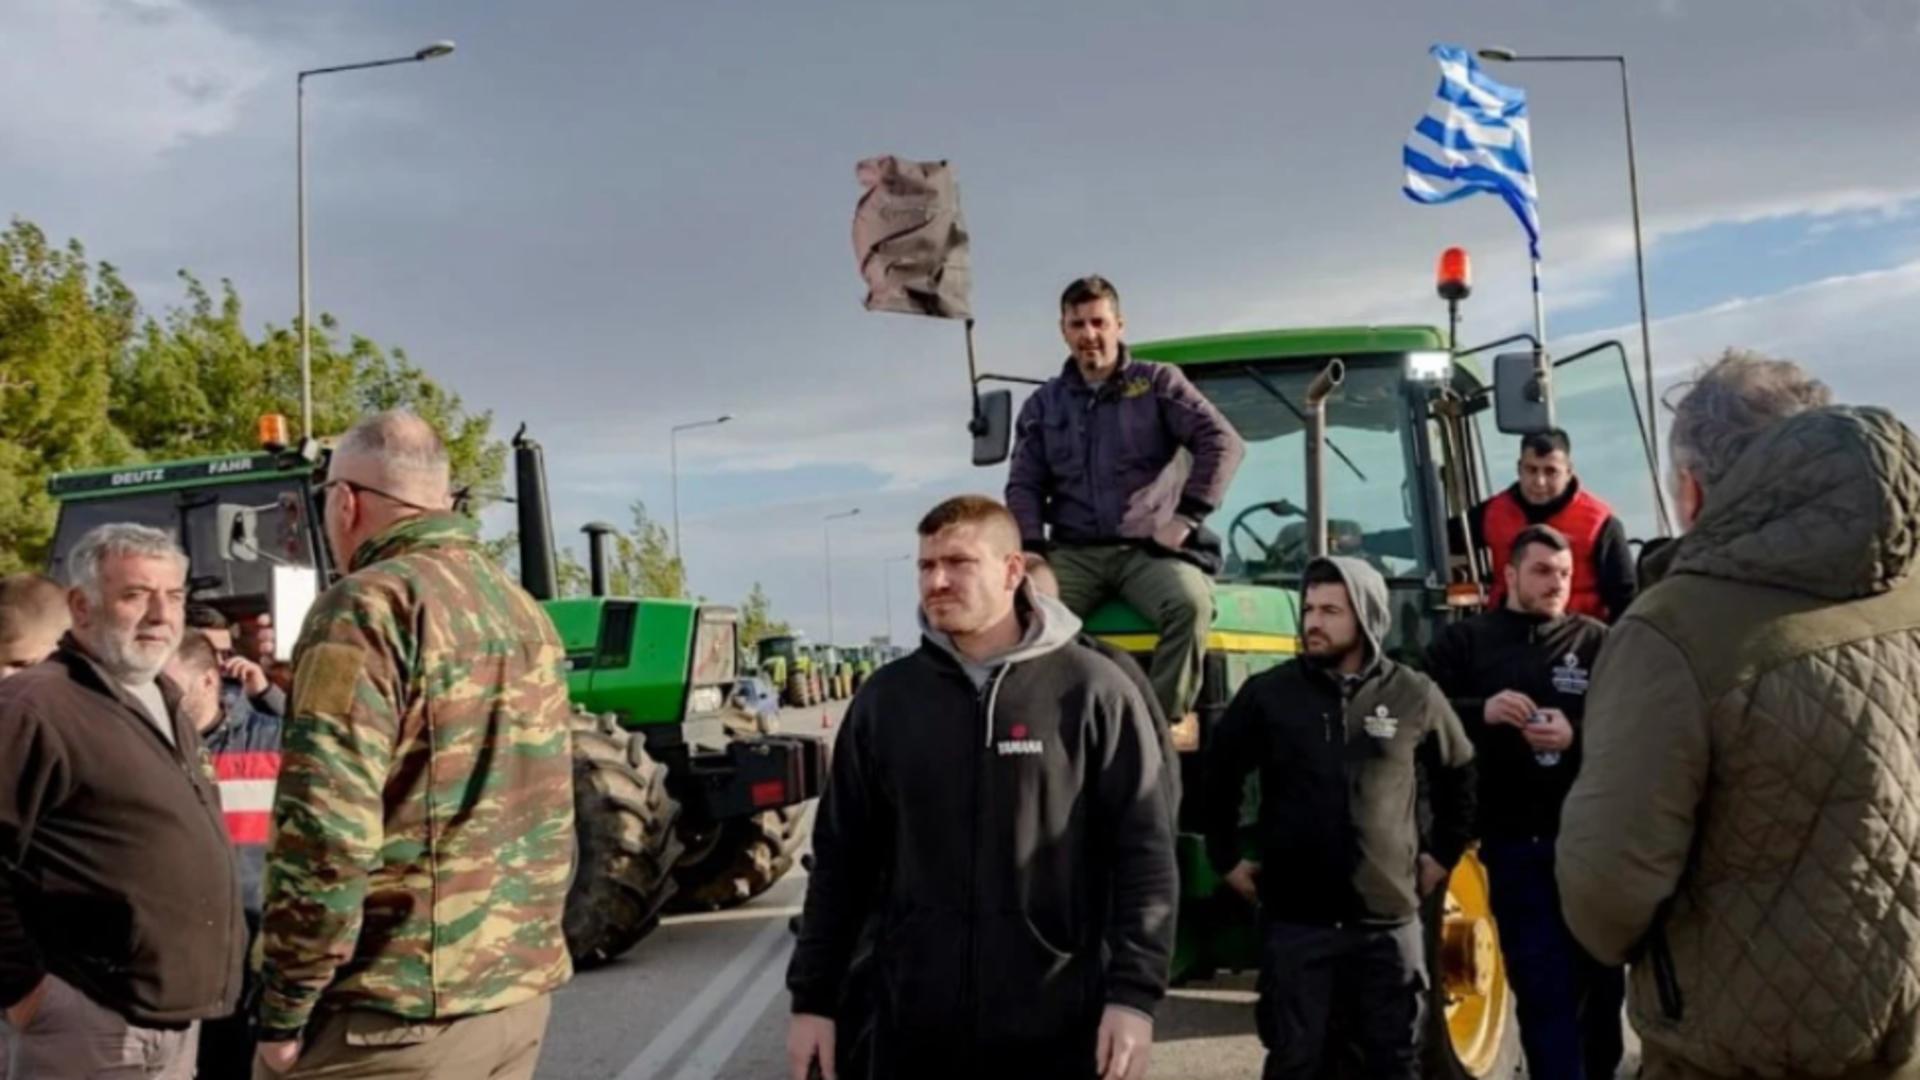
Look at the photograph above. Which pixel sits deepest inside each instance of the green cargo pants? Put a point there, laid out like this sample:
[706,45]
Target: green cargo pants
[1170,592]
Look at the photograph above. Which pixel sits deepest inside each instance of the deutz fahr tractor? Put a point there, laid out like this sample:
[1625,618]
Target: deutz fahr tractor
[684,800]
[1370,442]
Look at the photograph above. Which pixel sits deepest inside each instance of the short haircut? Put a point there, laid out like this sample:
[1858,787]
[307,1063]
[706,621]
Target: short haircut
[30,603]
[404,445]
[1322,572]
[119,540]
[1729,403]
[981,510]
[196,652]
[1545,536]
[207,617]
[1088,289]
[1546,443]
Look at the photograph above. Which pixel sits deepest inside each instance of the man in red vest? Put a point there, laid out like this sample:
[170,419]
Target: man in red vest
[1548,493]
[241,734]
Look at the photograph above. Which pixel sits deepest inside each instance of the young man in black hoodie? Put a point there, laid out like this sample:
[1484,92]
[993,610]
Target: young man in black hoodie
[1339,737]
[1518,678]
[996,803]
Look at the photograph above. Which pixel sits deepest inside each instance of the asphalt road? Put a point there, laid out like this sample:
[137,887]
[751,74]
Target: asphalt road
[704,998]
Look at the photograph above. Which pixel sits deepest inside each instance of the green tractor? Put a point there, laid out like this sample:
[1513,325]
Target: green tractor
[683,799]
[789,668]
[866,660]
[1390,427]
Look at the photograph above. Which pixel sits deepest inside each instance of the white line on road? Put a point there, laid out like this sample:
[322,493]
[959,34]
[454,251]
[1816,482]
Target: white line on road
[717,1048]
[675,1035]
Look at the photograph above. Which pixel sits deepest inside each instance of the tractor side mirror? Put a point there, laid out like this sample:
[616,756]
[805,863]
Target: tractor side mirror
[1523,403]
[239,530]
[992,427]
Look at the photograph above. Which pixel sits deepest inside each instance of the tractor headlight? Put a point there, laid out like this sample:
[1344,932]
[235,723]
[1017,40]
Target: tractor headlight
[706,699]
[1432,367]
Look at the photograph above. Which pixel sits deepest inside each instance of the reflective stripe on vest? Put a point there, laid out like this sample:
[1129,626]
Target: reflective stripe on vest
[1581,521]
[247,781]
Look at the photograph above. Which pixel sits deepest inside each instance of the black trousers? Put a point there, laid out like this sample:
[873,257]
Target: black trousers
[1331,993]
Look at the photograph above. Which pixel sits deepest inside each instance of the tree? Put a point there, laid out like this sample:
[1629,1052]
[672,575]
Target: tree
[85,381]
[643,563]
[757,621]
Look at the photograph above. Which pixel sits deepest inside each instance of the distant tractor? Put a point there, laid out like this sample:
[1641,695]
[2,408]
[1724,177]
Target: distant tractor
[680,795]
[789,668]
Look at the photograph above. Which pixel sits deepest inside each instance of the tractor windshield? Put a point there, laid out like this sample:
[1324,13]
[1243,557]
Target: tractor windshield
[234,573]
[1373,509]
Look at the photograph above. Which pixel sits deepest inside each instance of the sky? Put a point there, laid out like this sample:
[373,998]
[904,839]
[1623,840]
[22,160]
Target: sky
[605,219]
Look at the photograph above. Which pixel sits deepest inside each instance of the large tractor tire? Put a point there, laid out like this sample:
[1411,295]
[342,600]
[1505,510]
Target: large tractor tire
[744,860]
[795,695]
[1471,1028]
[628,843]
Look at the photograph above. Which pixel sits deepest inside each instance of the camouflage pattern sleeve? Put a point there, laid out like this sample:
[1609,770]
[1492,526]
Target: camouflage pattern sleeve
[337,747]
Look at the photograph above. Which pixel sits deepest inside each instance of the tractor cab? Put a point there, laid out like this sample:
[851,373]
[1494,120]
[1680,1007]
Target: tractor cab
[249,523]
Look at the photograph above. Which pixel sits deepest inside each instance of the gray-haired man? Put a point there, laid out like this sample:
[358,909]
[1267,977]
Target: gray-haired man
[120,924]
[1743,828]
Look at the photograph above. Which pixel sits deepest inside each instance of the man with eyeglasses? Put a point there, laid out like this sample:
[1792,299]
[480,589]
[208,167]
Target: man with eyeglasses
[423,819]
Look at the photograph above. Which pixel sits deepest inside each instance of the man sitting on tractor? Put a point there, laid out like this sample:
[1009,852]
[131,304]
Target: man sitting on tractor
[1548,493]
[1098,484]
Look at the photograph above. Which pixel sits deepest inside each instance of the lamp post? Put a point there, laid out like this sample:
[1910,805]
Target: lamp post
[827,529]
[430,52]
[673,468]
[1508,56]
[886,584]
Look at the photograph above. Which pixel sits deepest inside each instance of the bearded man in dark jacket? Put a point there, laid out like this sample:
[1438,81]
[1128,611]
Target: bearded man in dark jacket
[1340,738]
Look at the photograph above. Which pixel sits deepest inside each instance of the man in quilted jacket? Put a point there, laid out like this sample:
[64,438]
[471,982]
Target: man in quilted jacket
[1745,828]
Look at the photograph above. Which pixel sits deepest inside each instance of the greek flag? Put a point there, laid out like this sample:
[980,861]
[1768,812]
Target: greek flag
[1473,138]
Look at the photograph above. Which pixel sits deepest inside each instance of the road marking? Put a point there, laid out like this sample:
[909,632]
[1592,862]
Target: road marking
[718,1047]
[675,1035]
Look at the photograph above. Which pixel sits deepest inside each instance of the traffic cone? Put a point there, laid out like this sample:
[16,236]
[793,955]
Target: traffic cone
[825,720]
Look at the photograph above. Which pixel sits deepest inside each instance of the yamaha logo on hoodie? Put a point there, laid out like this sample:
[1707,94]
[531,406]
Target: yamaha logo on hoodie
[1017,742]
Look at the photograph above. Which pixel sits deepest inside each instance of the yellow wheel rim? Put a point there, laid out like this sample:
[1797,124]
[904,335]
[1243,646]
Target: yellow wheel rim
[1473,974]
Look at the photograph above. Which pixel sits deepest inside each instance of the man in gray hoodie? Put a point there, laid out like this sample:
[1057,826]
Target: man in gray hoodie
[1340,737]
[996,803]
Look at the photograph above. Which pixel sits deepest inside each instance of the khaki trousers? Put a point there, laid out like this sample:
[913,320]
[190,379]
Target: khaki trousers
[360,1044]
[72,1037]
[1175,595]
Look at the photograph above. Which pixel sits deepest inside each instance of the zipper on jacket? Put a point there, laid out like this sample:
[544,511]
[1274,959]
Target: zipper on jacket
[984,700]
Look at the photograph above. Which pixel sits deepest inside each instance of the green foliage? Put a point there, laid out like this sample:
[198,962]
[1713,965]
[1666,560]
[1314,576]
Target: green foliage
[85,381]
[757,621]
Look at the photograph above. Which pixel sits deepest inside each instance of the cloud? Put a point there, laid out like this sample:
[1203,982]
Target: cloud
[117,83]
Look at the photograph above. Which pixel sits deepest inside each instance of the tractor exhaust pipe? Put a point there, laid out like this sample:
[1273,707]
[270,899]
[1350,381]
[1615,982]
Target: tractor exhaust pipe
[1318,391]
[599,559]
[536,521]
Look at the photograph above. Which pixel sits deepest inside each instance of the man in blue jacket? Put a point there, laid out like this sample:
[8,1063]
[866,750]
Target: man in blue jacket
[1098,485]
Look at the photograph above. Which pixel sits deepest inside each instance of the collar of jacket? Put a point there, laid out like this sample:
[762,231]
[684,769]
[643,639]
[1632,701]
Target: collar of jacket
[87,671]
[1536,625]
[1124,368]
[1543,513]
[439,529]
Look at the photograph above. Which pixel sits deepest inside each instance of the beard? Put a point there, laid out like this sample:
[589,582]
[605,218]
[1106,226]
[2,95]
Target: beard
[130,659]
[1323,651]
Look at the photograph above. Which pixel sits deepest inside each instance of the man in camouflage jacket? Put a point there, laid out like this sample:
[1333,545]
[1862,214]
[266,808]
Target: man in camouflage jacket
[423,823]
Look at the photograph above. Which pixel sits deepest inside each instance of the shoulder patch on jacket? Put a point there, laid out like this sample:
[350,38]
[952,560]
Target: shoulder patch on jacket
[326,678]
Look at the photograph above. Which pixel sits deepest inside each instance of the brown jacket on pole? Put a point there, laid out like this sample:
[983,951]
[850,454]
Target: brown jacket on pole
[115,872]
[911,239]
[1746,824]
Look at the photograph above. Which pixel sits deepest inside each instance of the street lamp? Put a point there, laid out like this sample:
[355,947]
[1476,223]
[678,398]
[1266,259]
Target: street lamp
[1508,56]
[428,52]
[673,459]
[886,584]
[827,530]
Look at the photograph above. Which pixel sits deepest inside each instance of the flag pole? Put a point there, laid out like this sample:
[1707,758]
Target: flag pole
[1542,369]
